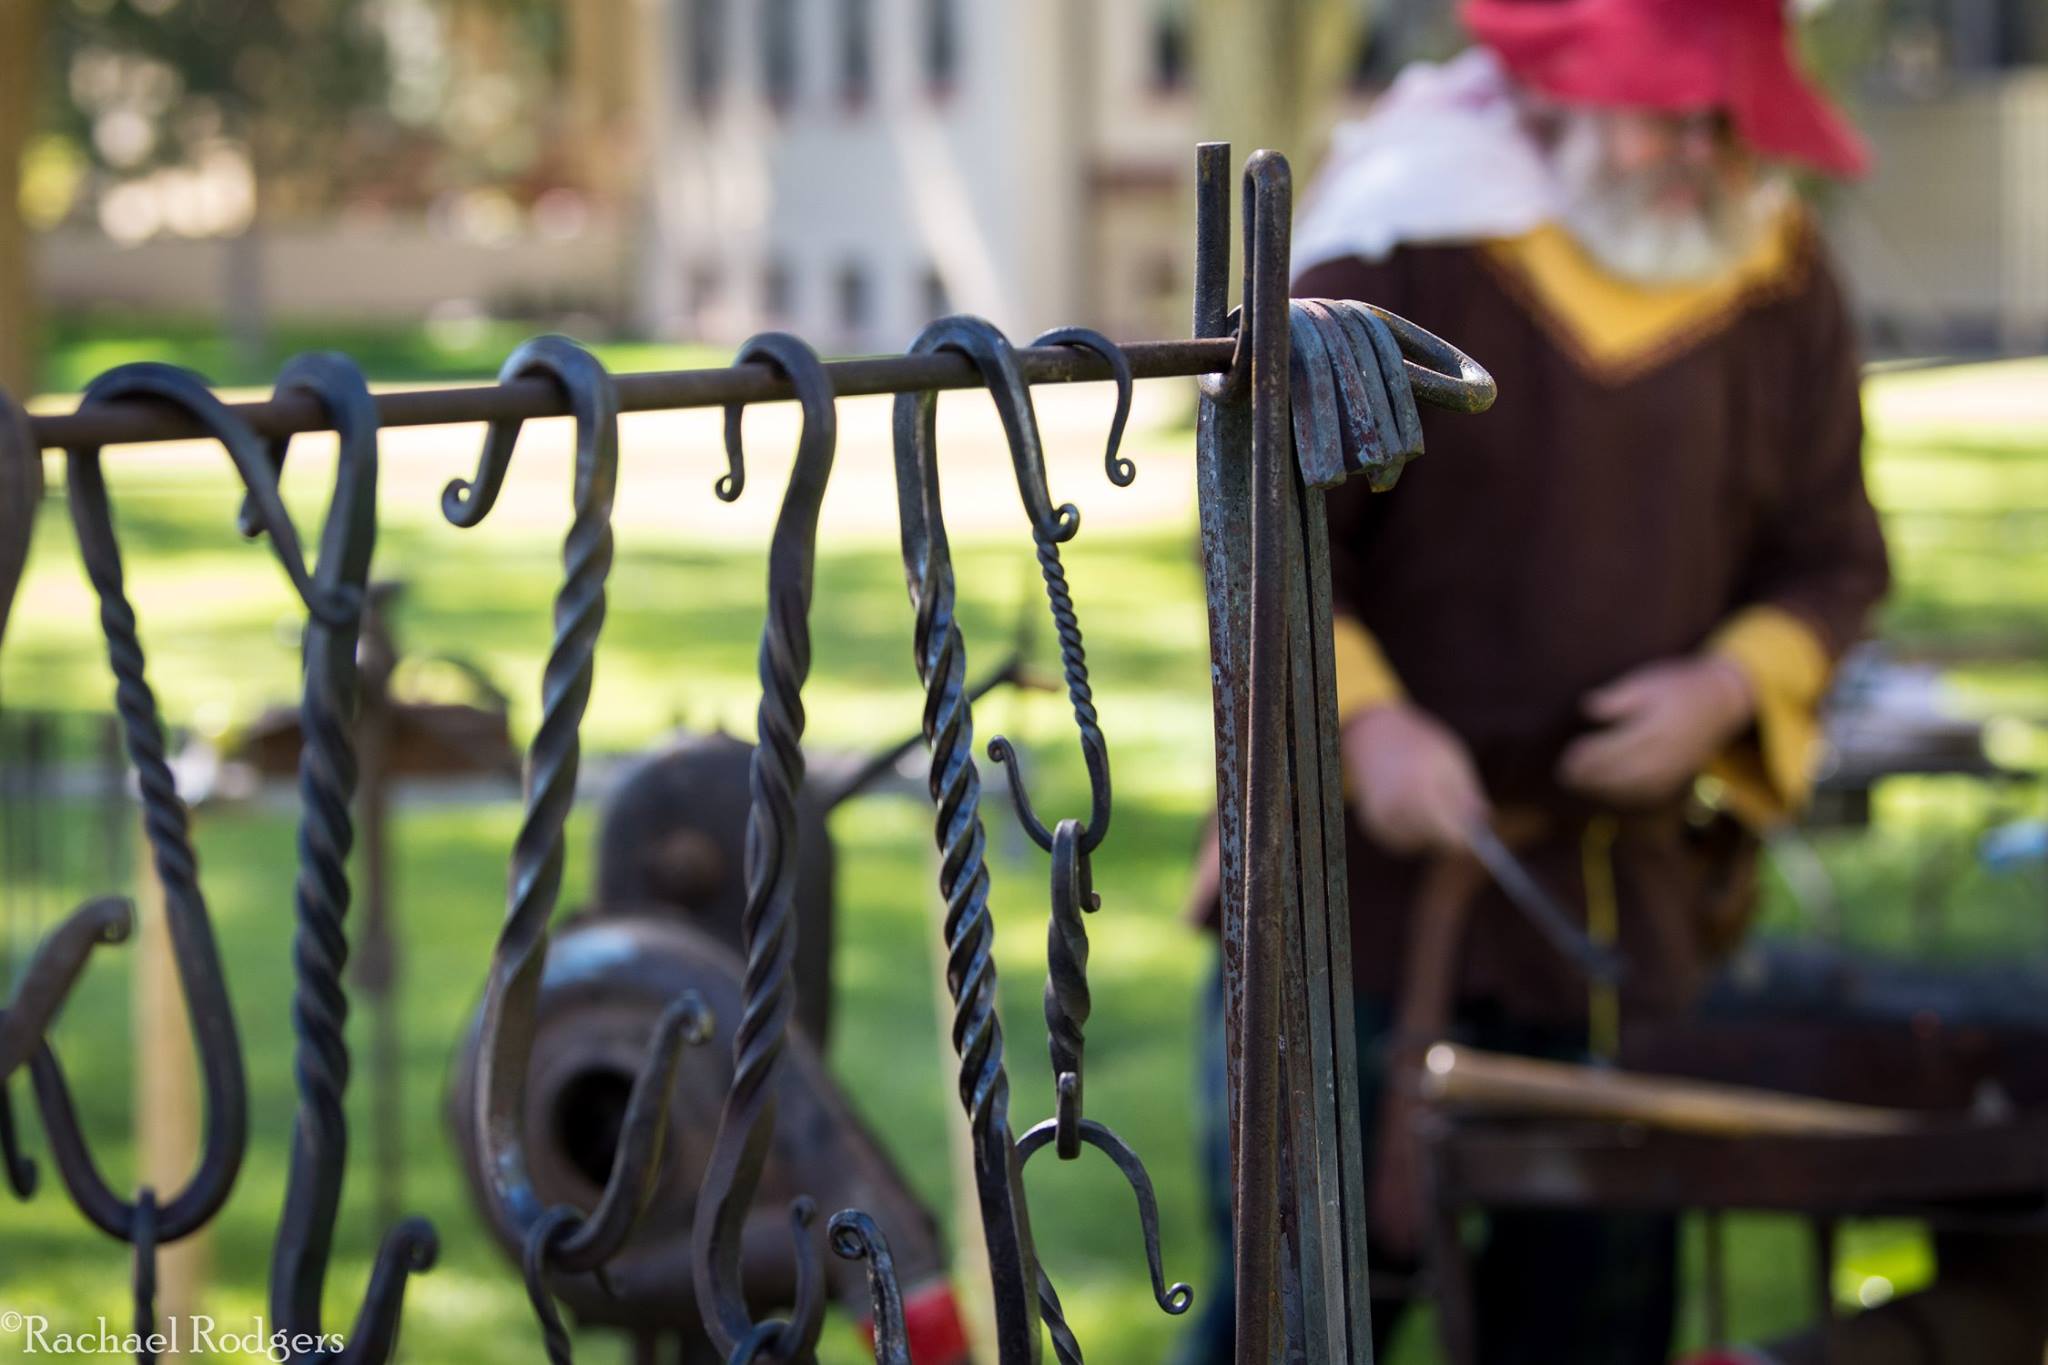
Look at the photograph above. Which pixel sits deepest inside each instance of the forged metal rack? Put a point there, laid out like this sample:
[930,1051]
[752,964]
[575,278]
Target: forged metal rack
[1296,397]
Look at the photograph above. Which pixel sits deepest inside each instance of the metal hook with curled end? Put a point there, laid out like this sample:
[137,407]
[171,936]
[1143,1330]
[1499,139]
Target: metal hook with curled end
[327,782]
[164,817]
[940,653]
[1175,1299]
[1059,598]
[1120,470]
[854,1238]
[45,985]
[983,343]
[1073,657]
[566,1241]
[732,1174]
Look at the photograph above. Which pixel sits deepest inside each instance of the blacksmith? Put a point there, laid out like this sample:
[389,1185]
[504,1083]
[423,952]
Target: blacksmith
[1598,620]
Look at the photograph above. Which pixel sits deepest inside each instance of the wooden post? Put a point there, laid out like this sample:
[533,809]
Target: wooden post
[167,1119]
[21,54]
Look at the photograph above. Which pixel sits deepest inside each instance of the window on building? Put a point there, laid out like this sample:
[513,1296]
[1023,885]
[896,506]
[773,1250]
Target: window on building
[705,285]
[854,298]
[778,51]
[856,50]
[706,39]
[936,299]
[941,45]
[1170,47]
[1161,274]
[778,291]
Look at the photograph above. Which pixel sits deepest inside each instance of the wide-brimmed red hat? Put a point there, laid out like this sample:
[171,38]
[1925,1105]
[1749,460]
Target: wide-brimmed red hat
[1675,55]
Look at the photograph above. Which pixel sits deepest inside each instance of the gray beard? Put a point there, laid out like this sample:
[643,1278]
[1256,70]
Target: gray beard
[1614,222]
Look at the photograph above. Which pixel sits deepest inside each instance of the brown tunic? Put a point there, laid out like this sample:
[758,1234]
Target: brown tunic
[1594,521]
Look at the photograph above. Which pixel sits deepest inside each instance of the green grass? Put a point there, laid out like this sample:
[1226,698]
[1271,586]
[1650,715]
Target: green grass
[1967,503]
[80,346]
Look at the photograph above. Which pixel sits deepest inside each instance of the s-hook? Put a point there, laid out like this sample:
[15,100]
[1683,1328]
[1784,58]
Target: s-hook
[560,1239]
[746,1127]
[152,1221]
[327,784]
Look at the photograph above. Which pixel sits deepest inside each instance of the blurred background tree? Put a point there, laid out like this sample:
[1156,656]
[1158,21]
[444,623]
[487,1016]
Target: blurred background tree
[219,118]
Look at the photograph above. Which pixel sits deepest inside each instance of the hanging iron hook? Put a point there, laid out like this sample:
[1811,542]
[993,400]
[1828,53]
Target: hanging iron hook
[1073,657]
[955,785]
[1067,999]
[327,783]
[58,962]
[855,1238]
[1173,1299]
[164,817]
[768,924]
[1120,470]
[981,342]
[46,984]
[507,1024]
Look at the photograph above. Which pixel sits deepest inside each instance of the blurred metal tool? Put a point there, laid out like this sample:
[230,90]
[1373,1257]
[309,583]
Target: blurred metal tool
[1541,908]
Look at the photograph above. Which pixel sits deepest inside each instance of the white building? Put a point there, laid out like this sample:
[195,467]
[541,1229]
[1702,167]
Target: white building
[850,169]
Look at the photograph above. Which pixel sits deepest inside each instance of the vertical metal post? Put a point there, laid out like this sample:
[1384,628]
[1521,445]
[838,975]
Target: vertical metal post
[1298,1194]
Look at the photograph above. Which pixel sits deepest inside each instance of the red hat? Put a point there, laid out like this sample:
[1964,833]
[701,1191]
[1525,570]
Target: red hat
[1675,55]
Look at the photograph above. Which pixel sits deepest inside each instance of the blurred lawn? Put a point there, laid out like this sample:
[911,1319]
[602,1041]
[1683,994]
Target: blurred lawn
[80,346]
[1966,495]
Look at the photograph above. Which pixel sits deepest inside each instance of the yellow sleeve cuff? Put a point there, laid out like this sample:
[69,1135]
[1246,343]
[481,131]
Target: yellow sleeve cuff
[1767,775]
[1364,677]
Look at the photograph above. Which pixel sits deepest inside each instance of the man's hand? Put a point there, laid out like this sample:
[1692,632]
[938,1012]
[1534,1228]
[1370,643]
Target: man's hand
[1416,785]
[1663,723]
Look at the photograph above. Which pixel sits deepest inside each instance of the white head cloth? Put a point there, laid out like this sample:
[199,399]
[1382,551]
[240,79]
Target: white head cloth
[1442,157]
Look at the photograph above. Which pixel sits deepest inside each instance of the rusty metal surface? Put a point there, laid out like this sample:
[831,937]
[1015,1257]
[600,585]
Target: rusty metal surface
[1302,396]
[610,975]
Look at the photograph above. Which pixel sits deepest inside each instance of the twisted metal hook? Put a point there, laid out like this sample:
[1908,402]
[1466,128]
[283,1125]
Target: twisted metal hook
[165,822]
[746,1125]
[327,784]
[955,785]
[1173,1299]
[1067,999]
[578,1243]
[1073,656]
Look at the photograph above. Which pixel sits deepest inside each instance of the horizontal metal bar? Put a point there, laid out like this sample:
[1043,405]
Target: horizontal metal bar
[129,423]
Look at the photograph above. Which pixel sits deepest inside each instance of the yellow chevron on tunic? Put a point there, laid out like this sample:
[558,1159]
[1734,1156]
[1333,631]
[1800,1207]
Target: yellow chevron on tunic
[1616,329]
